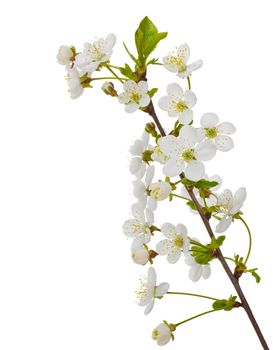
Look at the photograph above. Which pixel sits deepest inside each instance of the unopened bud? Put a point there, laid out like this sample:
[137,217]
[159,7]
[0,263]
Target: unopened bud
[140,255]
[109,89]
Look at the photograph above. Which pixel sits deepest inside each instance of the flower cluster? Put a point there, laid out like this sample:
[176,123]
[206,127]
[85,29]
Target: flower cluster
[167,165]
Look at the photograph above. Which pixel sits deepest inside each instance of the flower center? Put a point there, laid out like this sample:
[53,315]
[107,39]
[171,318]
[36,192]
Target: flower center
[155,334]
[156,193]
[178,241]
[181,106]
[188,155]
[135,97]
[211,133]
[143,290]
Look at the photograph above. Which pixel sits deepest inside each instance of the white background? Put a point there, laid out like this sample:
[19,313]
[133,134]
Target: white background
[66,276]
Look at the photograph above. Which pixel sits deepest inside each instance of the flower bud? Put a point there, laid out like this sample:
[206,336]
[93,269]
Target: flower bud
[65,55]
[140,255]
[160,190]
[162,334]
[109,89]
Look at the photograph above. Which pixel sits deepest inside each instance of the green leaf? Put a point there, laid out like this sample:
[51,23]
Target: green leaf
[131,55]
[255,275]
[146,38]
[205,184]
[153,61]
[152,92]
[127,72]
[219,304]
[191,205]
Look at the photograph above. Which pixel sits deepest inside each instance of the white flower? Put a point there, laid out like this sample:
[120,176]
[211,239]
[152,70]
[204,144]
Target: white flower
[196,270]
[140,255]
[162,334]
[212,130]
[177,240]
[135,95]
[96,53]
[65,54]
[160,190]
[138,164]
[158,155]
[149,291]
[178,104]
[229,205]
[141,189]
[178,63]
[139,227]
[74,83]
[185,155]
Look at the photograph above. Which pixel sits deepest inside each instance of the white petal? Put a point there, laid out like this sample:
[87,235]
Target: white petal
[181,229]
[169,145]
[138,242]
[152,204]
[170,66]
[140,173]
[168,230]
[240,195]
[162,289]
[139,189]
[130,85]
[149,175]
[218,179]
[205,150]
[145,139]
[185,117]
[226,128]
[194,170]
[163,247]
[145,100]
[226,199]
[110,41]
[163,103]
[224,224]
[137,148]
[173,167]
[209,120]
[149,216]
[195,273]
[194,66]
[135,165]
[224,143]
[138,213]
[131,228]
[175,90]
[174,256]
[184,52]
[151,277]
[131,107]
[188,136]
[142,87]
[123,98]
[149,307]
[190,98]
[206,272]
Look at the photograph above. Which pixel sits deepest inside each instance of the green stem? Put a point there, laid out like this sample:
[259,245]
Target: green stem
[114,74]
[178,196]
[196,316]
[189,83]
[227,258]
[103,78]
[193,295]
[110,65]
[192,241]
[250,239]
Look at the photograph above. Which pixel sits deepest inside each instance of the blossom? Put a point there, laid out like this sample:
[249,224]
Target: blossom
[162,334]
[160,190]
[212,130]
[178,104]
[176,241]
[74,82]
[139,227]
[141,190]
[149,291]
[158,155]
[178,63]
[65,55]
[95,53]
[229,205]
[185,155]
[140,255]
[138,151]
[196,270]
[135,95]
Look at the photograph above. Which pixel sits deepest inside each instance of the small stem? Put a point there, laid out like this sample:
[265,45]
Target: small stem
[192,318]
[178,196]
[103,78]
[114,74]
[250,239]
[227,258]
[193,295]
[110,65]
[189,83]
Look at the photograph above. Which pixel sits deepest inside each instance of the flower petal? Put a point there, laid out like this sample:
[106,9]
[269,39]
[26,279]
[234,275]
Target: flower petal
[184,52]
[169,145]
[131,107]
[144,100]
[152,203]
[138,213]
[168,230]
[209,120]
[226,128]
[173,167]
[174,256]
[181,229]
[194,170]
[185,117]
[135,165]
[142,86]
[224,143]
[206,271]
[224,224]
[205,150]
[226,199]
[195,273]
[194,66]
[149,216]
[151,277]
[172,67]
[149,307]
[190,98]
[188,136]
[163,103]
[163,247]
[149,175]
[162,289]
[175,90]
